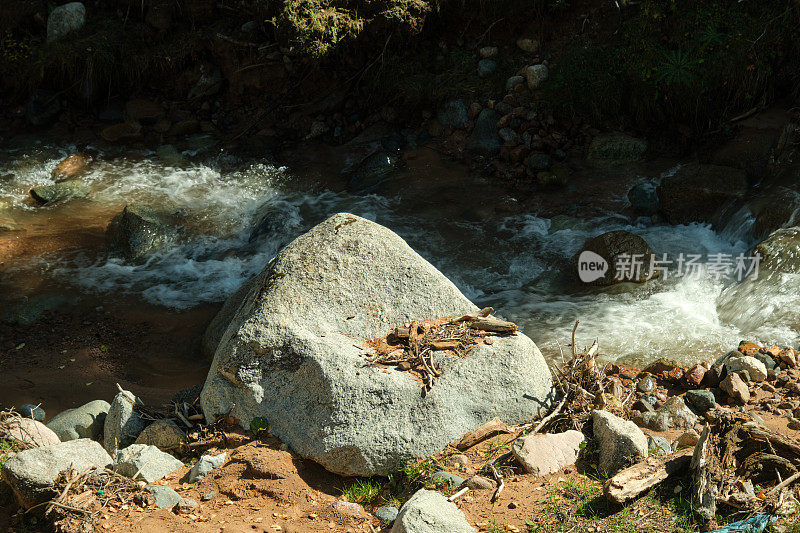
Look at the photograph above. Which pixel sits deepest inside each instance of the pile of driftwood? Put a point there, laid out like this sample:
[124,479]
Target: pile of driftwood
[83,497]
[414,346]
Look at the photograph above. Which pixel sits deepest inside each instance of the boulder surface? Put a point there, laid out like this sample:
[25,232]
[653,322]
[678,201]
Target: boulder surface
[428,511]
[295,354]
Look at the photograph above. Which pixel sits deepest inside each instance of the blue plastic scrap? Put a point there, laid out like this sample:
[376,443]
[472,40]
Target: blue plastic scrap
[754,524]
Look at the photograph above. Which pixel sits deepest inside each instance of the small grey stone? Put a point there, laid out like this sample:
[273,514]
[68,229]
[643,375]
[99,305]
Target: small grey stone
[205,465]
[28,410]
[486,67]
[164,434]
[386,514]
[701,399]
[479,483]
[65,19]
[509,135]
[208,496]
[513,81]
[165,497]
[187,506]
[658,445]
[122,425]
[429,511]
[453,114]
[84,422]
[460,460]
[645,384]
[539,161]
[448,478]
[536,75]
[151,463]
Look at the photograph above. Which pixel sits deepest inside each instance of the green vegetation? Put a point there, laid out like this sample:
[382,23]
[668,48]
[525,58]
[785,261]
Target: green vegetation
[680,63]
[363,490]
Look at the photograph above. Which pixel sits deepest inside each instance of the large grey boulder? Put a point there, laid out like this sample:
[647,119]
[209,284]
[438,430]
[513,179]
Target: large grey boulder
[31,473]
[223,318]
[428,511]
[84,422]
[123,425]
[295,355]
[141,461]
[65,19]
[622,443]
[780,252]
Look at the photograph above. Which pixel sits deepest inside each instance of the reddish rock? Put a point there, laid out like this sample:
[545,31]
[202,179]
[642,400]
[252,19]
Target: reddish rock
[70,167]
[749,348]
[694,376]
[675,375]
[736,388]
[788,356]
[773,351]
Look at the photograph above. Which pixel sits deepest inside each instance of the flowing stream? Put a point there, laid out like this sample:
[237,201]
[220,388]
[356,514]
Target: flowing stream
[239,213]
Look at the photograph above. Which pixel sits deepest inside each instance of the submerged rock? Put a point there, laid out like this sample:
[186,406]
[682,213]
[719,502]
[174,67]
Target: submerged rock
[372,172]
[70,167]
[138,232]
[289,355]
[643,199]
[428,511]
[63,190]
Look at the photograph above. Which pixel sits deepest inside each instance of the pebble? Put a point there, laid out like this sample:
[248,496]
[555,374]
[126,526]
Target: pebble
[486,67]
[187,506]
[646,385]
[488,51]
[530,46]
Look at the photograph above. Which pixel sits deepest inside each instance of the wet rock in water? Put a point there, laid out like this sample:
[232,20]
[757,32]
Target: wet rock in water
[30,432]
[35,412]
[614,148]
[453,114]
[660,367]
[643,199]
[780,252]
[486,67]
[65,19]
[696,193]
[30,309]
[701,399]
[536,75]
[165,497]
[447,478]
[618,248]
[673,414]
[484,139]
[372,172]
[205,465]
[31,473]
[138,232]
[622,443]
[70,167]
[428,511]
[144,111]
[307,376]
[145,462]
[754,368]
[544,454]
[122,132]
[736,388]
[530,46]
[386,514]
[164,435]
[658,445]
[64,190]
[42,108]
[781,209]
[122,425]
[84,422]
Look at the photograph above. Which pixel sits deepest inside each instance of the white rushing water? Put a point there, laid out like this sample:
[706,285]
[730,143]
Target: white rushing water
[520,265]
